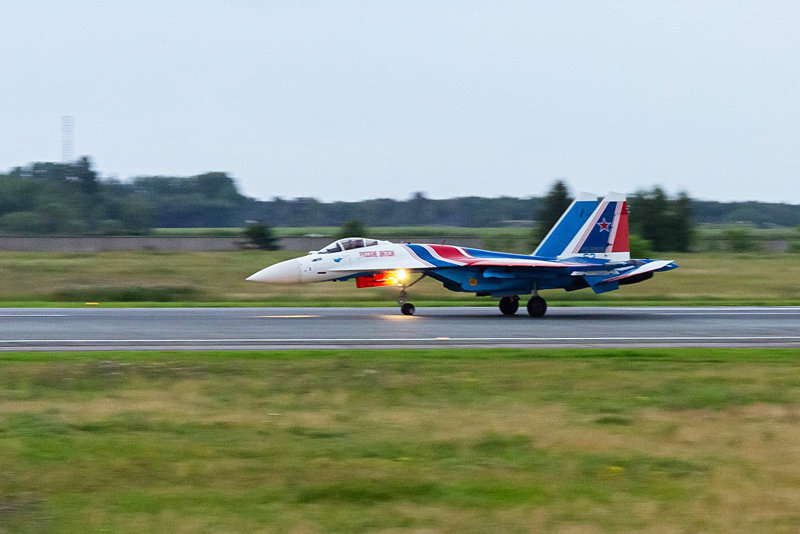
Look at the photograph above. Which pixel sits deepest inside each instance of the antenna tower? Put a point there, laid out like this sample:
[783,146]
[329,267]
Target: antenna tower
[67,130]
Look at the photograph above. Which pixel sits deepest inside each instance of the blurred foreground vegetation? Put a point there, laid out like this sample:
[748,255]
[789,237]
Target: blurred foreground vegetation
[479,441]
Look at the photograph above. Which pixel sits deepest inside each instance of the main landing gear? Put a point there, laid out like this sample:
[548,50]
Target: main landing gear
[509,305]
[536,306]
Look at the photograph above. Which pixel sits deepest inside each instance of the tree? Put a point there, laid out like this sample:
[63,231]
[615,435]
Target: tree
[352,229]
[261,236]
[216,185]
[87,178]
[136,217]
[668,224]
[420,209]
[552,207]
[681,223]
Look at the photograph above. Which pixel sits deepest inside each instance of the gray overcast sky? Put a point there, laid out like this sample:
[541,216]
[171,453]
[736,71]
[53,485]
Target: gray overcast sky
[353,100]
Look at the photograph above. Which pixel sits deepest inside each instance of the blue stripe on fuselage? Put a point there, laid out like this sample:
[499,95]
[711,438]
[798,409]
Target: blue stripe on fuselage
[425,255]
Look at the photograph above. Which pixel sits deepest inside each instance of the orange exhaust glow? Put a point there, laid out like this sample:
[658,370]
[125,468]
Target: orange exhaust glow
[389,278]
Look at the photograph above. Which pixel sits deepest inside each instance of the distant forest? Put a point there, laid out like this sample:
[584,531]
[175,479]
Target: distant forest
[73,199]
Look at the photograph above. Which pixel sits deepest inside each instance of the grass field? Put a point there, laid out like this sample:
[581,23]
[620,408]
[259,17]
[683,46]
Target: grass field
[661,441]
[186,278]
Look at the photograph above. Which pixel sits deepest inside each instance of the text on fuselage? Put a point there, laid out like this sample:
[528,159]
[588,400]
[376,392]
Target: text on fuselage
[375,253]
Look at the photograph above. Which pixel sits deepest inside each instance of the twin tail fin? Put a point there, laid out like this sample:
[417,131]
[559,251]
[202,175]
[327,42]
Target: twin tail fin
[589,229]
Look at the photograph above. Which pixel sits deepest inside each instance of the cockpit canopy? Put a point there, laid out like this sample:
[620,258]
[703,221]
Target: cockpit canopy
[347,244]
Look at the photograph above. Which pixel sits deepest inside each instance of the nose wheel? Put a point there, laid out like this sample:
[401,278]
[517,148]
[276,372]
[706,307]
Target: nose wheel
[406,308]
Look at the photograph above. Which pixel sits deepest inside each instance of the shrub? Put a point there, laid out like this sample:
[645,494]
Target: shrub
[740,239]
[261,236]
[640,247]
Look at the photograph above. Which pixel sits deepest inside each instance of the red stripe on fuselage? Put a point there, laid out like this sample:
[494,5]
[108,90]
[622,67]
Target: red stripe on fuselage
[451,253]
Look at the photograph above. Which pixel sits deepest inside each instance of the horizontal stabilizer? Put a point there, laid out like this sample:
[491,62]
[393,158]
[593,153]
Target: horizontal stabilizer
[609,281]
[642,269]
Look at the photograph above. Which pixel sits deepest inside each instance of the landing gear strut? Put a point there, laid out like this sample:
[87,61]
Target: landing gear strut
[509,305]
[406,308]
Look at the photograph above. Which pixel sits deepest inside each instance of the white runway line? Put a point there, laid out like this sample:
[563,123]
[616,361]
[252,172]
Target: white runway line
[744,314]
[33,315]
[284,316]
[412,340]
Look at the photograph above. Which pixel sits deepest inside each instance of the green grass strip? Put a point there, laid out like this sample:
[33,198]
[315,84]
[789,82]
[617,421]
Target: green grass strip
[705,355]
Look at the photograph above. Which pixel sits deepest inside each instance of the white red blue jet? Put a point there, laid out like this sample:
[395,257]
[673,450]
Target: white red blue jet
[587,247]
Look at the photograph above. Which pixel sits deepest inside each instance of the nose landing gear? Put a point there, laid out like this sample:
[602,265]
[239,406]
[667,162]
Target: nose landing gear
[406,308]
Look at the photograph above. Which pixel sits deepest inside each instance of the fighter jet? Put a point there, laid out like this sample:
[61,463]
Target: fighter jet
[587,247]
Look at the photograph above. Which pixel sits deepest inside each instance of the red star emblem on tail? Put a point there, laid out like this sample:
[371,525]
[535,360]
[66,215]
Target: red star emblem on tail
[604,225]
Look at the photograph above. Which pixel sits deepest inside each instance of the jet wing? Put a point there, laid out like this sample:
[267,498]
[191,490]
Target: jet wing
[603,278]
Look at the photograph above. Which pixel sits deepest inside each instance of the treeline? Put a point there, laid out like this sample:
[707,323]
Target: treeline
[73,199]
[758,214]
[482,212]
[475,212]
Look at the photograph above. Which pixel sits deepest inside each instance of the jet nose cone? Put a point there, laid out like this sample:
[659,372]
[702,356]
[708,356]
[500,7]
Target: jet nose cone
[285,272]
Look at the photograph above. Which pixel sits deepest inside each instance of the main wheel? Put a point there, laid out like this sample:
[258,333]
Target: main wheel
[537,307]
[407,308]
[509,305]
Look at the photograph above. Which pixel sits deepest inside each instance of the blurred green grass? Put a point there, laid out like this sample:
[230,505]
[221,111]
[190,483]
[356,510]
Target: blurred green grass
[218,278]
[656,440]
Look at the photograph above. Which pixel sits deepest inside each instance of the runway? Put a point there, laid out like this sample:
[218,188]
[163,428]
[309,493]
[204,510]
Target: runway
[69,329]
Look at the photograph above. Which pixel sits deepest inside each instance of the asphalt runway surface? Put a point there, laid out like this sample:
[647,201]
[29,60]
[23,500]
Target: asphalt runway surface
[290,328]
